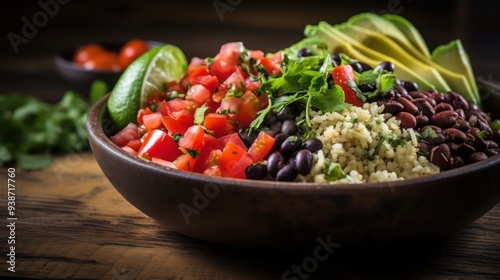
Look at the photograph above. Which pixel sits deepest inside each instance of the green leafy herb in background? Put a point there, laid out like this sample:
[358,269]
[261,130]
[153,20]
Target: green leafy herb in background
[32,131]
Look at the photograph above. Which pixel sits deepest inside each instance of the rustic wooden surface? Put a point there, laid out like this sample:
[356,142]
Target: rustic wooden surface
[72,224]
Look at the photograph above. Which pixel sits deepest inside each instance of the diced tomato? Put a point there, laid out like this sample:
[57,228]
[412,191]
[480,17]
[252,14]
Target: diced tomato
[195,63]
[271,65]
[278,57]
[181,110]
[158,143]
[192,140]
[208,81]
[185,162]
[199,94]
[214,158]
[257,54]
[230,105]
[141,113]
[213,171]
[212,105]
[222,69]
[236,81]
[226,61]
[216,123]
[248,109]
[165,163]
[174,86]
[130,150]
[197,71]
[342,74]
[219,94]
[152,121]
[134,144]
[210,144]
[252,85]
[174,126]
[261,146]
[234,161]
[232,138]
[230,52]
[127,134]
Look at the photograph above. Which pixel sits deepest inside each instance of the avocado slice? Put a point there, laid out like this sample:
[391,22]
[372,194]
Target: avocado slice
[410,31]
[379,42]
[453,56]
[379,24]
[339,42]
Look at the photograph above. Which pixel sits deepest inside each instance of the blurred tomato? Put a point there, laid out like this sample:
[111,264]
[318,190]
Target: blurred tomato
[84,53]
[103,61]
[132,50]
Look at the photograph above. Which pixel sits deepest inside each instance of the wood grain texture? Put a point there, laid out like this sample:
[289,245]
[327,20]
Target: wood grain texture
[72,224]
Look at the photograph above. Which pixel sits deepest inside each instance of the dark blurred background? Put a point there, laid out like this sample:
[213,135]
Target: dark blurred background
[199,28]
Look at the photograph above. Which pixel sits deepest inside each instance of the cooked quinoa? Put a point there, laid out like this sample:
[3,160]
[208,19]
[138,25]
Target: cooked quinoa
[367,145]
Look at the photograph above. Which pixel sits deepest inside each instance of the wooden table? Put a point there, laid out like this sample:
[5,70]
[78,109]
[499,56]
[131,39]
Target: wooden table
[72,224]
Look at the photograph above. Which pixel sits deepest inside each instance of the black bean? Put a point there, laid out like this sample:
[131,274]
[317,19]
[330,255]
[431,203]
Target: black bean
[274,162]
[276,126]
[440,156]
[291,145]
[313,145]
[407,120]
[424,106]
[366,87]
[270,118]
[422,120]
[303,161]
[456,100]
[365,67]
[443,106]
[391,106]
[356,66]
[289,127]
[401,89]
[287,173]
[273,133]
[445,119]
[256,171]
[410,86]
[454,135]
[477,156]
[286,113]
[246,137]
[408,105]
[386,65]
[304,52]
[336,59]
[279,139]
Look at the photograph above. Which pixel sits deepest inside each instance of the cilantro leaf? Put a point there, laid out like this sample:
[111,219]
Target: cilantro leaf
[33,130]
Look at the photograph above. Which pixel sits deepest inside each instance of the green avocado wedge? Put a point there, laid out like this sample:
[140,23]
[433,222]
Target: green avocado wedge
[453,56]
[410,31]
[377,41]
[339,42]
[369,38]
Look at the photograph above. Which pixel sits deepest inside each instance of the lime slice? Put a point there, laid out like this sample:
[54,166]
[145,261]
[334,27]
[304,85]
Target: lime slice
[146,75]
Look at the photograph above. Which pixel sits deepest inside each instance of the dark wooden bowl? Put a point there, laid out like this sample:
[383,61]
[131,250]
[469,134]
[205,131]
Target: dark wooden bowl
[288,216]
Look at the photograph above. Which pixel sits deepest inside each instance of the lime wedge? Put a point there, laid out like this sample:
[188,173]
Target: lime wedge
[146,75]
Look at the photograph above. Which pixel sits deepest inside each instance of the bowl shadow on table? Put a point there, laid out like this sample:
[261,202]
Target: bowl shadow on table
[375,261]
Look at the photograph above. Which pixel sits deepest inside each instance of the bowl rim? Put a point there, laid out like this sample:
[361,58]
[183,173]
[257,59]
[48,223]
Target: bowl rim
[96,132]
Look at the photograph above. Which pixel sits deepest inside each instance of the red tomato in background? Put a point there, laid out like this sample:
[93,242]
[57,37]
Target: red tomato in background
[131,50]
[84,53]
[342,74]
[103,61]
